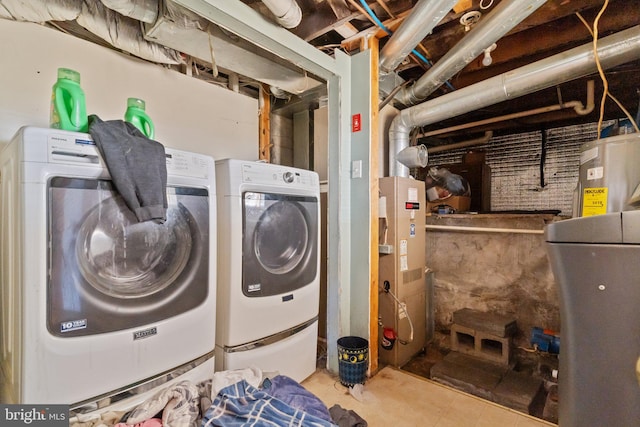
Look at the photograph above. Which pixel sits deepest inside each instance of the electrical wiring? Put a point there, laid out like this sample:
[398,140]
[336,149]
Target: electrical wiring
[605,83]
[594,34]
[403,307]
[392,94]
[379,23]
[584,21]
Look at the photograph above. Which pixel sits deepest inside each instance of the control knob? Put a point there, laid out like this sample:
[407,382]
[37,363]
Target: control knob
[288,177]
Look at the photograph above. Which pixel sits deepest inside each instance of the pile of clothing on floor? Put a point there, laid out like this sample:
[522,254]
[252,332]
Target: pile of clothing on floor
[240,397]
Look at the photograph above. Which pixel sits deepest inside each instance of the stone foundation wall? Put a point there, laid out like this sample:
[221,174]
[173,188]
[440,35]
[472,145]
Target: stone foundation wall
[504,273]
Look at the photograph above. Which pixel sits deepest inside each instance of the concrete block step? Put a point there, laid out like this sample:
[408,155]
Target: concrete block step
[519,391]
[490,323]
[489,380]
[470,374]
[480,344]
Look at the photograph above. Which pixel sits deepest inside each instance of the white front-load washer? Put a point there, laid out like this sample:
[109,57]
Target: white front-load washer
[94,303]
[268,275]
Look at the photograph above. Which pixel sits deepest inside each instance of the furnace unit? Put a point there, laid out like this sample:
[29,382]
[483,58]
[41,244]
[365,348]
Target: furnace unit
[404,300]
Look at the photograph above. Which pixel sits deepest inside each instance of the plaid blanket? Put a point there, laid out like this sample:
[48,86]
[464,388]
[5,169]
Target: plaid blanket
[241,404]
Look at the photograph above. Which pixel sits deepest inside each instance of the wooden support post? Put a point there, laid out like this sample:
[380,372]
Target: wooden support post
[373,45]
[264,140]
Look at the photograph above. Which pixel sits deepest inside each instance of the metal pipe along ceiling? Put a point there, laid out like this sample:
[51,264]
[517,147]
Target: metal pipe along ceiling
[424,16]
[613,50]
[504,17]
[580,109]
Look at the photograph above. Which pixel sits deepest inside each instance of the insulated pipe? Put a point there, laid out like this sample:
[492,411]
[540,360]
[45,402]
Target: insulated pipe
[287,12]
[580,109]
[482,229]
[504,17]
[425,15]
[613,50]
[144,10]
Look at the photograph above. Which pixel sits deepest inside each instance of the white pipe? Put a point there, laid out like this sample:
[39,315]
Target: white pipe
[234,82]
[287,12]
[504,17]
[482,229]
[425,15]
[613,50]
[579,108]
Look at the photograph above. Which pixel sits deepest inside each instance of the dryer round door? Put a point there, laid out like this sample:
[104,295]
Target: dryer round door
[109,272]
[280,240]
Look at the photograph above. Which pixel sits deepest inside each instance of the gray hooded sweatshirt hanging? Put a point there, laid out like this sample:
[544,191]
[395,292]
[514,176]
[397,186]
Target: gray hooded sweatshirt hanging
[137,166]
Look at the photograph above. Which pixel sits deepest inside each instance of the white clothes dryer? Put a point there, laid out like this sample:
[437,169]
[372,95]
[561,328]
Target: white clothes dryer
[268,276]
[94,304]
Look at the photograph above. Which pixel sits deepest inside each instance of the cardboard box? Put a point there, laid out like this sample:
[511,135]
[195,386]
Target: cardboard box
[459,204]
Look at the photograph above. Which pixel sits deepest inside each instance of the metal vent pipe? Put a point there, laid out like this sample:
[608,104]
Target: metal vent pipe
[424,16]
[613,50]
[502,19]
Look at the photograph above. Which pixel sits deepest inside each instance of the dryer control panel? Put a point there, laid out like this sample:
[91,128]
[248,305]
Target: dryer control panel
[278,175]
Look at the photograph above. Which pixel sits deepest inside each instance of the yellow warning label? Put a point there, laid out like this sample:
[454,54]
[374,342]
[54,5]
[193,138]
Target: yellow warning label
[594,201]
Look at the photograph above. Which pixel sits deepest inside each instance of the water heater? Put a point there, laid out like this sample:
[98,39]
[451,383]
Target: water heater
[609,176]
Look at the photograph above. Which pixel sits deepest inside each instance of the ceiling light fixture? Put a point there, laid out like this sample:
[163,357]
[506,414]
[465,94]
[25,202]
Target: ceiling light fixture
[469,19]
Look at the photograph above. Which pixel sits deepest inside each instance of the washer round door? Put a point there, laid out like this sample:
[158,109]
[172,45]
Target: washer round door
[110,272]
[280,243]
[123,258]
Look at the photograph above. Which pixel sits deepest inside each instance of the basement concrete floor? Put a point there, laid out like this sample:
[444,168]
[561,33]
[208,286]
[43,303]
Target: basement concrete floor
[398,398]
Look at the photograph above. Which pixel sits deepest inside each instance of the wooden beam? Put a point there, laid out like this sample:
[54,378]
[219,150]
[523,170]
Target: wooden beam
[264,122]
[374,186]
[543,41]
[447,35]
[354,41]
[323,17]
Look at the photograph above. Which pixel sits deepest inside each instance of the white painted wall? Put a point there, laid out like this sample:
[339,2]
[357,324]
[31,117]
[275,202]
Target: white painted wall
[321,142]
[188,114]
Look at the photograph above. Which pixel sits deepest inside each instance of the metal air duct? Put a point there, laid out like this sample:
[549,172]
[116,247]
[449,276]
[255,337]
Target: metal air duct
[613,50]
[490,29]
[141,10]
[185,31]
[424,16]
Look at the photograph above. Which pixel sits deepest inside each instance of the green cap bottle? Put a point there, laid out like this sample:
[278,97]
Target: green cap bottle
[137,116]
[68,108]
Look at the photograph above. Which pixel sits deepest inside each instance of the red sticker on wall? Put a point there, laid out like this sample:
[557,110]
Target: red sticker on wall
[356,123]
